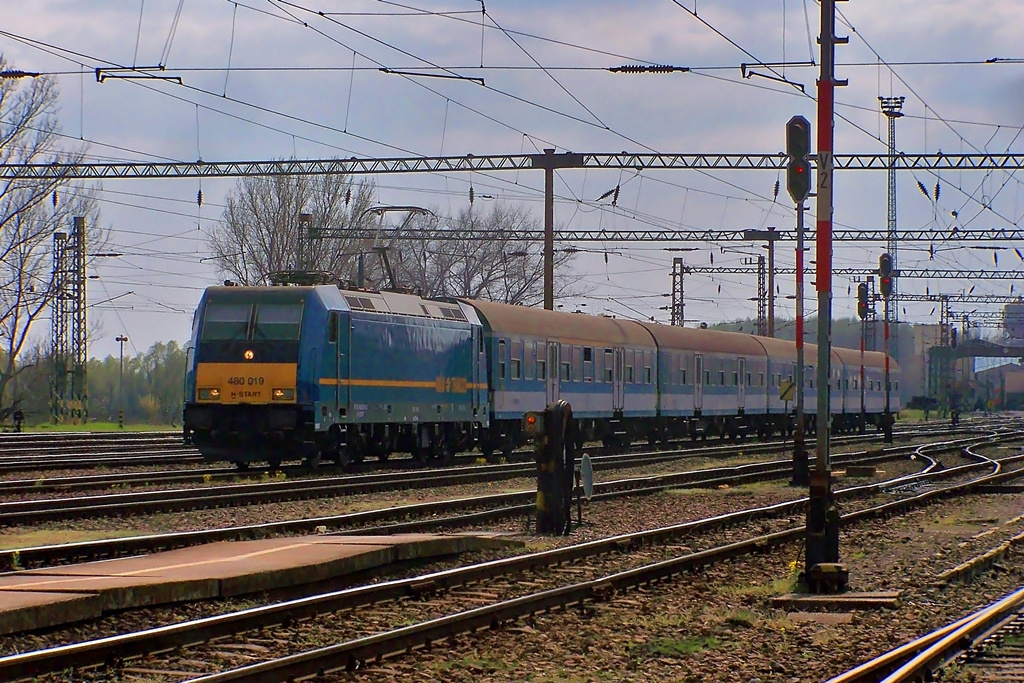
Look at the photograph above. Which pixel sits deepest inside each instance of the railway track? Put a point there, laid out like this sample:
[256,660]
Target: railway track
[41,452]
[28,452]
[35,511]
[515,587]
[453,513]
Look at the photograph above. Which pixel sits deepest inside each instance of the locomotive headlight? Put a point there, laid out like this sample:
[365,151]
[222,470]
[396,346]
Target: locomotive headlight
[209,394]
[283,394]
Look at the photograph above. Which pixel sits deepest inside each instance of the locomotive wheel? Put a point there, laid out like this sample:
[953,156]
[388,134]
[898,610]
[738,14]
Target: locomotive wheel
[383,455]
[342,456]
[313,460]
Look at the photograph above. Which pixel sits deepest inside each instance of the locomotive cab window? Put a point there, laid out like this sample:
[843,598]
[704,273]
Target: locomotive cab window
[279,322]
[332,327]
[226,321]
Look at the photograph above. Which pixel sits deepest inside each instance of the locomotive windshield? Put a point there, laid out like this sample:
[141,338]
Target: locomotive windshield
[277,321]
[260,321]
[226,321]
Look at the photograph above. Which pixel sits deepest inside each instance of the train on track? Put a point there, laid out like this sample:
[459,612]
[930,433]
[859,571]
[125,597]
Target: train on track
[310,372]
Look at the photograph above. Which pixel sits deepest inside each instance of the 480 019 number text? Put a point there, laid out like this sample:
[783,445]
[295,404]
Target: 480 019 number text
[245,381]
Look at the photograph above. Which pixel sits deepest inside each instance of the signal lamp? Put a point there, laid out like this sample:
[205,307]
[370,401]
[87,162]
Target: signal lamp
[885,284]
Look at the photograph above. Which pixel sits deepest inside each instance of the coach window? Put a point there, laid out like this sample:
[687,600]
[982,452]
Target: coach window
[707,377]
[608,367]
[332,327]
[760,379]
[588,364]
[529,355]
[542,363]
[721,378]
[628,360]
[501,359]
[647,366]
[735,378]
[516,362]
[577,364]
[566,373]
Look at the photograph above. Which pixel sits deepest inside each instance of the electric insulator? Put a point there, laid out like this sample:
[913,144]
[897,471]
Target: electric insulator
[55,199]
[199,197]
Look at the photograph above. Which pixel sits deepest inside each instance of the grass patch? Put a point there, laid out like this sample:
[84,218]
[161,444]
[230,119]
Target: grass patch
[476,665]
[37,537]
[675,647]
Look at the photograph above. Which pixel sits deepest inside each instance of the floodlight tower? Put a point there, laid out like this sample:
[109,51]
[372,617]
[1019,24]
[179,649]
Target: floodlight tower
[892,107]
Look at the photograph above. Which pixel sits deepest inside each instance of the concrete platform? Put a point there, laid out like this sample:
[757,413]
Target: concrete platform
[41,598]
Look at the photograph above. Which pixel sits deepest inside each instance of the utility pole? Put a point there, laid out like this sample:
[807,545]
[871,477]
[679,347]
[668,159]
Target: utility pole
[823,571]
[121,339]
[549,162]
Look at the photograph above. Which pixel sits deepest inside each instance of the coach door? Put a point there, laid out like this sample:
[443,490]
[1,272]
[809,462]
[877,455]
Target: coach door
[553,369]
[698,382]
[741,382]
[618,381]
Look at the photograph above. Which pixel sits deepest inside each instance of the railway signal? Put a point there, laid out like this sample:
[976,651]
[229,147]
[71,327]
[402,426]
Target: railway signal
[862,300]
[798,148]
[885,274]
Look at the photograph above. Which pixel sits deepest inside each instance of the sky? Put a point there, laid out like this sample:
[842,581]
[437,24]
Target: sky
[276,80]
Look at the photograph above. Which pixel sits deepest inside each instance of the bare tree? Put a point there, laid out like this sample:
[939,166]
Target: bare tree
[435,260]
[260,233]
[31,210]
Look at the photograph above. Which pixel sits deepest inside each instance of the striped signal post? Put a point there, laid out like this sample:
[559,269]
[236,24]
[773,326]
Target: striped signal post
[822,571]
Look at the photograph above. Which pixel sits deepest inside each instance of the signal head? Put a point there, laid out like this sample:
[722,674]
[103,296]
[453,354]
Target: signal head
[885,264]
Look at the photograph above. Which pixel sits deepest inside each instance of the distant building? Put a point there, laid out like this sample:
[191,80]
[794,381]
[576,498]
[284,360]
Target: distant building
[997,382]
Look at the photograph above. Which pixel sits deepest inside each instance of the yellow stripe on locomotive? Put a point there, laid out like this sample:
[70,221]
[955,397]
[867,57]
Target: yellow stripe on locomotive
[235,383]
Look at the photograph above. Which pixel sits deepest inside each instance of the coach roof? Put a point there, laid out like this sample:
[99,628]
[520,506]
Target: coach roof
[506,319]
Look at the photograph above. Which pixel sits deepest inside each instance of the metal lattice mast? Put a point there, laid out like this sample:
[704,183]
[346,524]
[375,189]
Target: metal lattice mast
[59,329]
[79,346]
[762,298]
[678,304]
[892,107]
